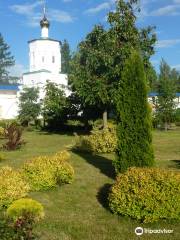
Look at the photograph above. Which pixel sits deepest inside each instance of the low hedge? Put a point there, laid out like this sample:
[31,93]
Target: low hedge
[45,172]
[99,141]
[12,186]
[146,194]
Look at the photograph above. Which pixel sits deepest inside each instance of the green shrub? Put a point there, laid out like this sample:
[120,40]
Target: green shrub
[2,157]
[6,231]
[177,117]
[39,173]
[146,194]
[99,141]
[24,214]
[23,207]
[2,133]
[12,186]
[64,174]
[134,130]
[45,172]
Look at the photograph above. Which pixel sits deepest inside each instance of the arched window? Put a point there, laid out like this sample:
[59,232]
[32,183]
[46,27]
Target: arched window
[53,59]
[43,59]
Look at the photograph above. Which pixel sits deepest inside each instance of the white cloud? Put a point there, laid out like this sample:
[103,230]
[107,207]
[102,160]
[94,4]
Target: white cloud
[167,43]
[33,16]
[169,10]
[60,16]
[25,9]
[103,6]
[98,8]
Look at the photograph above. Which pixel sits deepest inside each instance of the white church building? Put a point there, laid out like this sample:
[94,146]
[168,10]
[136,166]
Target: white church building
[44,65]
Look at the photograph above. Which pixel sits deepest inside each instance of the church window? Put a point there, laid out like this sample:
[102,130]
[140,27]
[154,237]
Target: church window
[42,59]
[53,59]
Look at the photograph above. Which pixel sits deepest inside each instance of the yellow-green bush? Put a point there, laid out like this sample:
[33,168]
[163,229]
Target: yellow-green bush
[24,213]
[2,134]
[99,141]
[146,194]
[12,186]
[23,207]
[64,174]
[2,157]
[45,172]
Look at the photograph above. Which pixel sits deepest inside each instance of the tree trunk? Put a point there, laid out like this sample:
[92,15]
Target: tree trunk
[166,126]
[105,119]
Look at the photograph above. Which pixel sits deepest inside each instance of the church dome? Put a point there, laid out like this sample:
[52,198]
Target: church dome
[44,22]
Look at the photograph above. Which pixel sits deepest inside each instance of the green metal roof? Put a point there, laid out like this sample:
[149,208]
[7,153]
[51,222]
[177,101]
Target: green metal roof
[39,71]
[44,39]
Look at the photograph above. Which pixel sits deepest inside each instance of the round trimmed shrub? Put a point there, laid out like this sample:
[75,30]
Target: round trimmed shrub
[45,172]
[64,174]
[146,194]
[39,173]
[12,186]
[27,208]
[24,213]
[99,141]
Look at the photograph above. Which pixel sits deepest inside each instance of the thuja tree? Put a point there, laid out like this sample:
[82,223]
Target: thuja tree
[134,121]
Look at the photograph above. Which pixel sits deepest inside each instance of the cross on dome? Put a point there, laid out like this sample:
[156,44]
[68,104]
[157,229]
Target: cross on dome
[44,21]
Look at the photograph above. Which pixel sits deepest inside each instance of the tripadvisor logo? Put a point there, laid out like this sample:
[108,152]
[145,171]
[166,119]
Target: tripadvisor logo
[139,231]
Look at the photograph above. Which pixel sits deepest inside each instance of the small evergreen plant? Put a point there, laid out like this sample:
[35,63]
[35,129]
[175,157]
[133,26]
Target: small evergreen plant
[134,120]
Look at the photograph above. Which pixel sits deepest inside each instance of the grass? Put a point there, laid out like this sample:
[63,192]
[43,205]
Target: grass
[79,211]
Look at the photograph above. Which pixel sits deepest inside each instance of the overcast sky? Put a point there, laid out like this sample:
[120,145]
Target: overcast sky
[73,19]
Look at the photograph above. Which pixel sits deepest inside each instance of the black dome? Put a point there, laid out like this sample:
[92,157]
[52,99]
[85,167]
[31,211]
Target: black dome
[44,22]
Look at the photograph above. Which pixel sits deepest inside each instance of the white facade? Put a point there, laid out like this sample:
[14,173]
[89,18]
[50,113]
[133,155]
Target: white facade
[44,65]
[45,54]
[8,104]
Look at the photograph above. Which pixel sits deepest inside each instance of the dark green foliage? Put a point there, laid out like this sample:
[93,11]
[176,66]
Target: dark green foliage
[54,106]
[134,121]
[66,57]
[29,107]
[147,194]
[177,117]
[152,79]
[13,134]
[6,60]
[96,67]
[6,231]
[165,106]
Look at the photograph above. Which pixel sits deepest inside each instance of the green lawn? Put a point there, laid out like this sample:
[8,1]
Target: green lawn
[79,211]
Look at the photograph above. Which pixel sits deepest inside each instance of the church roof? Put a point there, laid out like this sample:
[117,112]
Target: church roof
[39,71]
[154,94]
[9,87]
[44,39]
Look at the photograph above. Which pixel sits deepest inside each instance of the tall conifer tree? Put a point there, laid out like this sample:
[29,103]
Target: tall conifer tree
[134,121]
[6,61]
[66,57]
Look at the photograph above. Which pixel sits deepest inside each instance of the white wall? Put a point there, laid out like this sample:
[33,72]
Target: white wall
[45,54]
[8,106]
